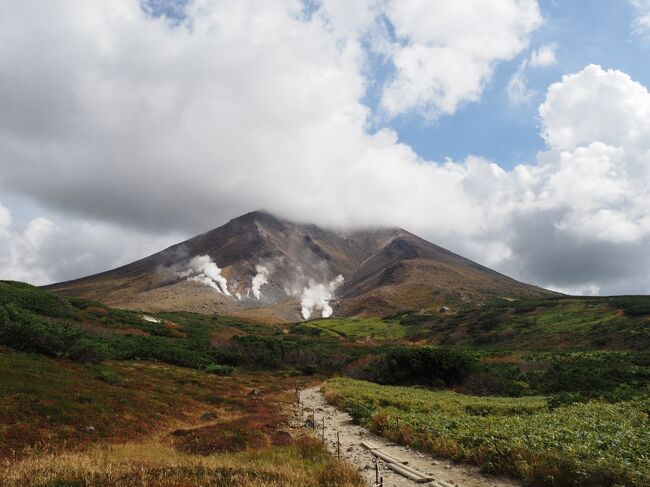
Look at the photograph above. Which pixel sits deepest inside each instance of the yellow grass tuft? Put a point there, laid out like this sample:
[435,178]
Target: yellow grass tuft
[155,464]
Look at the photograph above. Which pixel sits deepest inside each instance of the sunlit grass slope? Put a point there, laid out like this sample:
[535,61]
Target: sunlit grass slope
[591,444]
[354,328]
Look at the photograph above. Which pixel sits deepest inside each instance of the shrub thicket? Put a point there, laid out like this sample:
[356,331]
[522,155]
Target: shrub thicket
[22,330]
[431,367]
[218,369]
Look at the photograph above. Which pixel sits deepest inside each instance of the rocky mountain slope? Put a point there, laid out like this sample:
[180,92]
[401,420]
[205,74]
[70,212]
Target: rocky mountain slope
[265,268]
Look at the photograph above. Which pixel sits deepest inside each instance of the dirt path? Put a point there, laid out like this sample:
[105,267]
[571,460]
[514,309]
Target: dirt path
[351,436]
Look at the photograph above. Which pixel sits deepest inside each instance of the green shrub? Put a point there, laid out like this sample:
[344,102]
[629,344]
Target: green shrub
[309,369]
[594,374]
[632,305]
[413,318]
[88,350]
[432,367]
[25,331]
[265,352]
[186,353]
[360,412]
[218,369]
[566,398]
[109,377]
[34,299]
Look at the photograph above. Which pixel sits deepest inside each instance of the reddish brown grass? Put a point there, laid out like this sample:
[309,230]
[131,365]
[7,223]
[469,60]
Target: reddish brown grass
[230,437]
[225,336]
[503,359]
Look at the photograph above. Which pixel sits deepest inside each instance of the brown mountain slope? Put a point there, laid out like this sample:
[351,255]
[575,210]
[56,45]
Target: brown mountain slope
[383,270]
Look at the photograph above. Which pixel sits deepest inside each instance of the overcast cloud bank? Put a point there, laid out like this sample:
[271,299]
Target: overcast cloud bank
[152,128]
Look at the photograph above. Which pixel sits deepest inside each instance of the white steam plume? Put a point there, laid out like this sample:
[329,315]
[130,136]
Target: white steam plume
[262,277]
[202,269]
[317,297]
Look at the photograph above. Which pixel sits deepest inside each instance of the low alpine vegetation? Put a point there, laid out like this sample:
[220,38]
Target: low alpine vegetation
[587,444]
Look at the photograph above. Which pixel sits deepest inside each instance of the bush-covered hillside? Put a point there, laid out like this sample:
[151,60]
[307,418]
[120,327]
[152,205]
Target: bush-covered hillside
[33,320]
[92,396]
[518,387]
[621,322]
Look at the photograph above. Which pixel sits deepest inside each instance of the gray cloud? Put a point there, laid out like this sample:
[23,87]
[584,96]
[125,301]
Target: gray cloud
[133,130]
[543,253]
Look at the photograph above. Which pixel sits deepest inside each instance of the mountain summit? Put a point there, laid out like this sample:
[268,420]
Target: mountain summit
[262,267]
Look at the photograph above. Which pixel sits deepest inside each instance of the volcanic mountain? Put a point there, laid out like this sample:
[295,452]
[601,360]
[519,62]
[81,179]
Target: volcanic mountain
[265,268]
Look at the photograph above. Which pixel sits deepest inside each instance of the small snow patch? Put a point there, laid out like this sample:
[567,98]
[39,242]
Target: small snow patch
[150,319]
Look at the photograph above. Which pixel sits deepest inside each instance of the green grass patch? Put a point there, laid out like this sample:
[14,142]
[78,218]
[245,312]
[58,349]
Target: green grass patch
[588,444]
[356,328]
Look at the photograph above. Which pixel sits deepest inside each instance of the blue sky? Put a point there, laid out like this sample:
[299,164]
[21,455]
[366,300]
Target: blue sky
[586,32]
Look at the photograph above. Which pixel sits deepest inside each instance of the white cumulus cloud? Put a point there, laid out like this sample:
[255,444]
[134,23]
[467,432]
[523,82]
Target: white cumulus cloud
[517,88]
[447,53]
[544,56]
[597,104]
[133,130]
[642,21]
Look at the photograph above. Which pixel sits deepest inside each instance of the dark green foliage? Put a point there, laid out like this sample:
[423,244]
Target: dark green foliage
[567,377]
[109,377]
[527,305]
[396,316]
[296,352]
[264,352]
[631,305]
[31,320]
[185,353]
[22,330]
[217,369]
[88,350]
[610,376]
[415,318]
[488,383]
[431,367]
[83,303]
[34,299]
[361,412]
[309,369]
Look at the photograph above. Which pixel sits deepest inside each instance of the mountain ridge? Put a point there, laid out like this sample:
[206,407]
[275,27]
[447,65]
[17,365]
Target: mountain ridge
[383,270]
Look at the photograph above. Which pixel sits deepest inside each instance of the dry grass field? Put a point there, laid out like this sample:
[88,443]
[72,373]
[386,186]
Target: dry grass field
[142,423]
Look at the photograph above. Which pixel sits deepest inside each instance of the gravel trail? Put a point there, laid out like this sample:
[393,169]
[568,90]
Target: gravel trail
[351,436]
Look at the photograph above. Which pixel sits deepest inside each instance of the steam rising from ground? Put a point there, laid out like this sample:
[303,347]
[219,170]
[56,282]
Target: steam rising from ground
[314,294]
[317,297]
[262,277]
[203,270]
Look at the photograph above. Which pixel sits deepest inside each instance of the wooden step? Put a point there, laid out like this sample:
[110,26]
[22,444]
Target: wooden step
[401,467]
